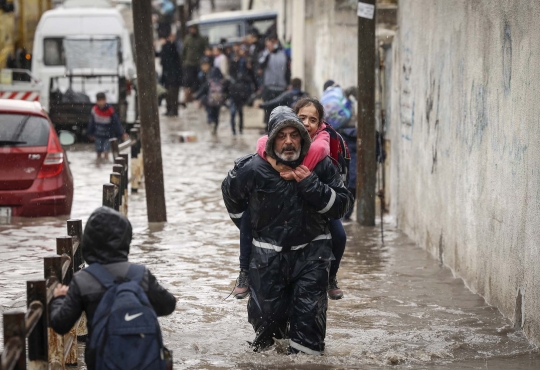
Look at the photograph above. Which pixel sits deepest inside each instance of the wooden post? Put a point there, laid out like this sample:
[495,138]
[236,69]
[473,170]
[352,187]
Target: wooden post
[365,141]
[149,114]
[53,275]
[108,195]
[38,345]
[14,328]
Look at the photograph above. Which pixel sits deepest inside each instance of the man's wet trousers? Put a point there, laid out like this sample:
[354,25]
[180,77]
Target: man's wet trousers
[288,295]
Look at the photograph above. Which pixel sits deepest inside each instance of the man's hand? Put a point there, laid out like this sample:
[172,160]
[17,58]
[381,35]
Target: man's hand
[300,173]
[60,290]
[92,138]
[125,136]
[278,167]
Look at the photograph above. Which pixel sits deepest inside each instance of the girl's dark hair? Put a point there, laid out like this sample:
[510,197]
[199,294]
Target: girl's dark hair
[306,102]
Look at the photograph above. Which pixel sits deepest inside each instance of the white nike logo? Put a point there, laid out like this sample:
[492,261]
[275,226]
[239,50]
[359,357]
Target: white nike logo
[131,317]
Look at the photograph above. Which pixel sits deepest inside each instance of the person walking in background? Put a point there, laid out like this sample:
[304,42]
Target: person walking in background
[104,124]
[288,98]
[209,53]
[213,92]
[221,61]
[171,77]
[255,47]
[194,47]
[276,72]
[240,88]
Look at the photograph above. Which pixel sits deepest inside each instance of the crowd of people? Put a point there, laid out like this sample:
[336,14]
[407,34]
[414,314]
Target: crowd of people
[228,74]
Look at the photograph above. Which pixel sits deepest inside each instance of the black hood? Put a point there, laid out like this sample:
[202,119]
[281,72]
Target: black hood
[280,118]
[106,237]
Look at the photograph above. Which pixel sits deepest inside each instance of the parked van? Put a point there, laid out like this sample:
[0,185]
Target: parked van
[49,57]
[234,26]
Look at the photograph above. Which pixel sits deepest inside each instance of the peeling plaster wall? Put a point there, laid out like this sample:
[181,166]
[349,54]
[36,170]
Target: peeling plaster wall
[466,144]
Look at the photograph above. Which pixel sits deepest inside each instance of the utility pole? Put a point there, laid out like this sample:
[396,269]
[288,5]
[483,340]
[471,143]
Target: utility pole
[148,108]
[365,141]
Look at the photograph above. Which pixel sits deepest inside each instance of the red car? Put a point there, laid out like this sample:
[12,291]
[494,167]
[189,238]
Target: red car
[35,179]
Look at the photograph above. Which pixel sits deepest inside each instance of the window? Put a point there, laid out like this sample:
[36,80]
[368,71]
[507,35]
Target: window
[53,52]
[218,31]
[23,130]
[265,27]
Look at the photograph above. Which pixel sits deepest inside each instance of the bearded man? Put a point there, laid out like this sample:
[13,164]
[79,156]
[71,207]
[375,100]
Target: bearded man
[292,245]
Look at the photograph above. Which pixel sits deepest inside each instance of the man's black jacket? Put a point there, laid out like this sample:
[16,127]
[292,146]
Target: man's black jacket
[285,213]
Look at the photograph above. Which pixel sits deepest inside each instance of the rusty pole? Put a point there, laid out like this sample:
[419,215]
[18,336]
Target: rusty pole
[365,141]
[38,346]
[108,195]
[64,246]
[150,131]
[53,275]
[15,331]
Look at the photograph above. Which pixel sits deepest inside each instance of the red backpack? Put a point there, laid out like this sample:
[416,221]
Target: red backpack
[339,153]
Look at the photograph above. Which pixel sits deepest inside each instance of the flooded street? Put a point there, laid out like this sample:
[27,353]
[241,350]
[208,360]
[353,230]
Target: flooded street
[400,307]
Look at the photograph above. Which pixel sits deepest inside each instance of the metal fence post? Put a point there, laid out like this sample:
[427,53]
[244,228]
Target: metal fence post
[108,195]
[14,329]
[114,147]
[64,246]
[116,179]
[38,345]
[74,229]
[126,180]
[53,275]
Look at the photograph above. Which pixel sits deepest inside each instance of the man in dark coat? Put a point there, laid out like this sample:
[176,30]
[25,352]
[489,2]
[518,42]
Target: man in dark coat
[288,98]
[106,241]
[292,246]
[171,77]
[193,50]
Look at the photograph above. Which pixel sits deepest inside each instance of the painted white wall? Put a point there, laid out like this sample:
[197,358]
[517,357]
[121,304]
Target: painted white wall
[466,143]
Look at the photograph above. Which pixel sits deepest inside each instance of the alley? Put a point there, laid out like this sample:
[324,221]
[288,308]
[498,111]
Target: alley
[400,307]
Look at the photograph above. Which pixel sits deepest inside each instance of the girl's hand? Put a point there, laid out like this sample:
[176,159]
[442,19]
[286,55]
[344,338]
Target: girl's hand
[301,172]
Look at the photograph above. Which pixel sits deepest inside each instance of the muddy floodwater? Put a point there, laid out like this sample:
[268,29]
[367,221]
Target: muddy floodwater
[401,308]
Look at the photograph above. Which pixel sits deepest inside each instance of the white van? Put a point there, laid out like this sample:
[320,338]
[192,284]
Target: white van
[49,59]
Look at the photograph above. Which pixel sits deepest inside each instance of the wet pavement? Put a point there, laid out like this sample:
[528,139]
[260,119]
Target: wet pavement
[400,308]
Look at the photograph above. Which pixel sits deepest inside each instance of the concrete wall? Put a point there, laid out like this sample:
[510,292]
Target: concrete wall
[466,144]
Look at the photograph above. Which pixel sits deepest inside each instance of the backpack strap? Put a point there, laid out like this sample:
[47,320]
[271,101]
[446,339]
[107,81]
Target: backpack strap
[101,274]
[136,273]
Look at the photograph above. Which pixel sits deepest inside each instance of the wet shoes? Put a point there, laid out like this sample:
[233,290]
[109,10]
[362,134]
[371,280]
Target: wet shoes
[334,292]
[241,290]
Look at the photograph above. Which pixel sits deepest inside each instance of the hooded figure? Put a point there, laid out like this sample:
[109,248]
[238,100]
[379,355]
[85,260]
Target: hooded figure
[292,246]
[106,239]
